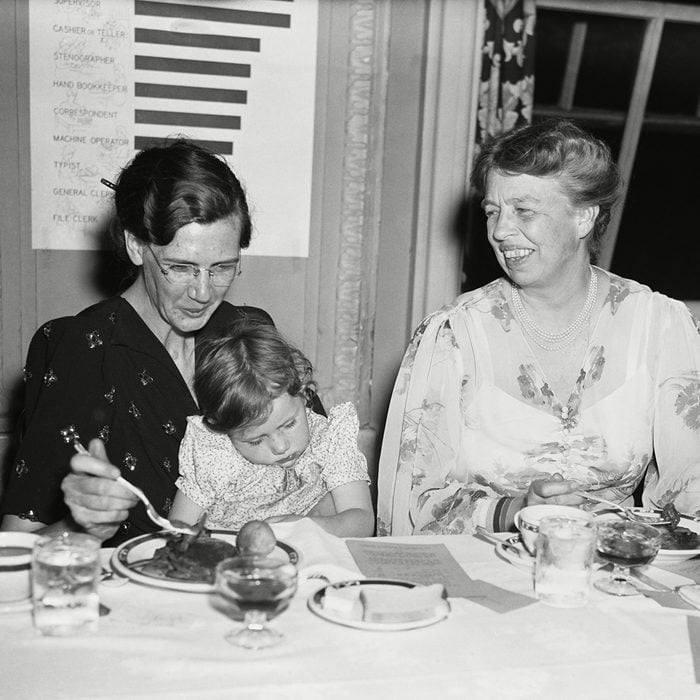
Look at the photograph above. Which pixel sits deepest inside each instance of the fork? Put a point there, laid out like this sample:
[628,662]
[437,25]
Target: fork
[628,512]
[150,509]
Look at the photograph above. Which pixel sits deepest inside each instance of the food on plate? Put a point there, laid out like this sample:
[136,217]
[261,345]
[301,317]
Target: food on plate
[343,602]
[678,538]
[384,604]
[674,537]
[190,558]
[402,605]
[255,539]
[194,558]
[670,513]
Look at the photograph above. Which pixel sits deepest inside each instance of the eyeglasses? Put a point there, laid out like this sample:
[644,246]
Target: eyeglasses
[183,274]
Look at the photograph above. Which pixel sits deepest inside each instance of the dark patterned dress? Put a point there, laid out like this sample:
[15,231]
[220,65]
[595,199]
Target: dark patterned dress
[103,374]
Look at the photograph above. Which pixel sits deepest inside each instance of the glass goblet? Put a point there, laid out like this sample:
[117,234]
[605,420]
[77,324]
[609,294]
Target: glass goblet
[625,544]
[258,588]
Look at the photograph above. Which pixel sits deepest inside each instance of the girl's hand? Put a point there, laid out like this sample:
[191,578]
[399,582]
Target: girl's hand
[96,501]
[555,490]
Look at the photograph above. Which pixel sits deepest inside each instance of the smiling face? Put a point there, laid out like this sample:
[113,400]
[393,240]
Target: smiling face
[536,233]
[184,308]
[279,440]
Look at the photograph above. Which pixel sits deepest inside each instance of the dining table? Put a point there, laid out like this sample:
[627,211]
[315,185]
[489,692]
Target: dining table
[500,642]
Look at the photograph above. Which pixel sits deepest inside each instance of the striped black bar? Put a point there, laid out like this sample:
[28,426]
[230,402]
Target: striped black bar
[211,14]
[183,92]
[210,121]
[200,41]
[182,65]
[225,148]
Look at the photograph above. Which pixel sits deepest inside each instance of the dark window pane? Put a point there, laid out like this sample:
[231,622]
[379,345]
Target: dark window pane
[609,63]
[675,87]
[658,243]
[552,37]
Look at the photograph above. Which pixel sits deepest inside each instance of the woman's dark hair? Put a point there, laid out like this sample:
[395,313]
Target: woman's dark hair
[581,162]
[167,187]
[241,369]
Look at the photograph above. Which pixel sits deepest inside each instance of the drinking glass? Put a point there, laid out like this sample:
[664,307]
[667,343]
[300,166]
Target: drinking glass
[260,589]
[65,572]
[564,560]
[625,544]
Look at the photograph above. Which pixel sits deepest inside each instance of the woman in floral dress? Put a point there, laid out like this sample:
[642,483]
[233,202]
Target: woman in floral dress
[557,378]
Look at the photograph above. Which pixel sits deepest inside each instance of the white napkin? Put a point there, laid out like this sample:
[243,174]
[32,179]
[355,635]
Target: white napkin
[321,554]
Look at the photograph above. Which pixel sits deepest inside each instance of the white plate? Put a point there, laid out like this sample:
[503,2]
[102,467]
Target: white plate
[131,555]
[16,607]
[315,603]
[524,560]
[666,556]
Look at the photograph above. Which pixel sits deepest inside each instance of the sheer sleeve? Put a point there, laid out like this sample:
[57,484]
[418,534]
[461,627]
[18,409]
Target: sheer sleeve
[425,481]
[676,475]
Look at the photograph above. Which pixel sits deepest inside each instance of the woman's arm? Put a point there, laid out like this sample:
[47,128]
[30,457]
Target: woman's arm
[97,502]
[675,476]
[13,523]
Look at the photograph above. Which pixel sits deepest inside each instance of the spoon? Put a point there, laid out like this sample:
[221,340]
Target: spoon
[637,515]
[150,509]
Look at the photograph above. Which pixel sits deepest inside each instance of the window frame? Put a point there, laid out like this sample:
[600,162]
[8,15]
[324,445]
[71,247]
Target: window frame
[655,14]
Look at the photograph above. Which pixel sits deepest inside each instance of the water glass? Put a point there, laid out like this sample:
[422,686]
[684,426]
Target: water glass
[65,574]
[563,566]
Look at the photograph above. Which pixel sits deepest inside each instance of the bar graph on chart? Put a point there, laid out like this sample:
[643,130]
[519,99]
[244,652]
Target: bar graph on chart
[109,78]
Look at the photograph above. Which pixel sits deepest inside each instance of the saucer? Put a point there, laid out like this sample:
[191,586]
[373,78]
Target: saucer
[517,555]
[351,618]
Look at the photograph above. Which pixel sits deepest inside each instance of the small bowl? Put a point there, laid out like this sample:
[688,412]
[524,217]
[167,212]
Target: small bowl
[665,556]
[527,520]
[15,564]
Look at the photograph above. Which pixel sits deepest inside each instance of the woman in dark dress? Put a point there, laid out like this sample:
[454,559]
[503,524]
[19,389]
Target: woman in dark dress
[118,376]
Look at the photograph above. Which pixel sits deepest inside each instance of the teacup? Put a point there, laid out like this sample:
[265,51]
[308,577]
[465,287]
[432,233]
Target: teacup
[527,520]
[15,564]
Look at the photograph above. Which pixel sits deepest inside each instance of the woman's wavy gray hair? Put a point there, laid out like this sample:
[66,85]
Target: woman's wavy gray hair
[581,162]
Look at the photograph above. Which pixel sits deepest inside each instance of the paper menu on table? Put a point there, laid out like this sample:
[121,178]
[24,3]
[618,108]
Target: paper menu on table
[427,564]
[419,563]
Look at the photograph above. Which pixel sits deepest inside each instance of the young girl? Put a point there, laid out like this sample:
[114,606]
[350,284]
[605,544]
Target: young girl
[258,452]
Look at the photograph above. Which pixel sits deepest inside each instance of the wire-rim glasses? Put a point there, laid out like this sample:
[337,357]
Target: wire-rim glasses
[182,274]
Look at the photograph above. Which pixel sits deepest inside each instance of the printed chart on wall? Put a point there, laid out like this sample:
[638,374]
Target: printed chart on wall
[110,77]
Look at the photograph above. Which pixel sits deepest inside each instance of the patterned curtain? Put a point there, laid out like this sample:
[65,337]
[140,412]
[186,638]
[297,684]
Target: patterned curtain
[505,101]
[507,69]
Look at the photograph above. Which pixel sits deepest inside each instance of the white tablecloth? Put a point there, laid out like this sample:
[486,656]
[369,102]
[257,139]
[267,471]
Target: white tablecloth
[158,643]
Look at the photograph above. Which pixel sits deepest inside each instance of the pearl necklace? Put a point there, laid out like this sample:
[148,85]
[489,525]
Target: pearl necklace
[555,341]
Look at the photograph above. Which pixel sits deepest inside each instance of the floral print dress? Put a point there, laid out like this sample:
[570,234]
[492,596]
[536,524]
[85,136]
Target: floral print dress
[232,490]
[473,421]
